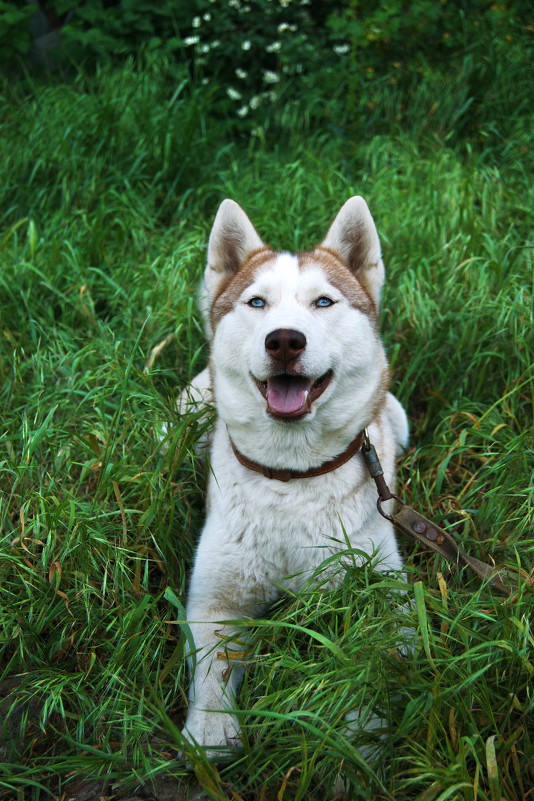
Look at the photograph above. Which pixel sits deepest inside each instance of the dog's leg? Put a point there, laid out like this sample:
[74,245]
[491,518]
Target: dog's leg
[217,671]
[220,591]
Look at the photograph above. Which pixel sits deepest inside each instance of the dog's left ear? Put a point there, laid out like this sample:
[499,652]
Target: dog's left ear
[354,238]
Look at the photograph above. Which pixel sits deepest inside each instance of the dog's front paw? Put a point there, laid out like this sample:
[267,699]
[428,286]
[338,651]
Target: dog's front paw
[217,732]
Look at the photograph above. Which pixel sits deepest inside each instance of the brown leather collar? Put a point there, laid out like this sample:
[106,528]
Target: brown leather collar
[287,475]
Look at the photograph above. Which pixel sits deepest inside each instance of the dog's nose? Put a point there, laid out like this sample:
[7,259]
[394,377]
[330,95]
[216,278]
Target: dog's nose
[285,344]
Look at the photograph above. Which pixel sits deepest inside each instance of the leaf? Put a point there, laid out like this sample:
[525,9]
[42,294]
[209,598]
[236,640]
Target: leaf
[493,769]
[185,628]
[419,593]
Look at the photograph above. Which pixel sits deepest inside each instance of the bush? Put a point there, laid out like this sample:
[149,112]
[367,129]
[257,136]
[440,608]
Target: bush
[15,39]
[103,30]
[322,59]
[256,51]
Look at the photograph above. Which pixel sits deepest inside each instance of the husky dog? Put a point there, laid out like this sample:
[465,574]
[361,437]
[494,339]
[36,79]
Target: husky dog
[297,371]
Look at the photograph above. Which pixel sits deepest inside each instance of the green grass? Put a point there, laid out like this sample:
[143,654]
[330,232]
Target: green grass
[109,188]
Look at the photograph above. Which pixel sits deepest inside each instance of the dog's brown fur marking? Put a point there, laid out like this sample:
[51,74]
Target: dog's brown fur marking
[231,288]
[342,278]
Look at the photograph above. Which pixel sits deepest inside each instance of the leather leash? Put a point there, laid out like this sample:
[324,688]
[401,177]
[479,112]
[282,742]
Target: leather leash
[406,519]
[428,533]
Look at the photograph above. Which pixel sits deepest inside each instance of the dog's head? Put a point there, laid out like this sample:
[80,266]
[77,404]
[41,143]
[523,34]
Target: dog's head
[295,336]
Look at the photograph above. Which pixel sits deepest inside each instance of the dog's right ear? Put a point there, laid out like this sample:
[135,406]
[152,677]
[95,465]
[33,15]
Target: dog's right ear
[233,238]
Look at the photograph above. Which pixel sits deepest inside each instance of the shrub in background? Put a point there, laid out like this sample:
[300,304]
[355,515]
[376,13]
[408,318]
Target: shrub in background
[258,51]
[412,35]
[325,59]
[105,30]
[252,50]
[15,38]
[438,40]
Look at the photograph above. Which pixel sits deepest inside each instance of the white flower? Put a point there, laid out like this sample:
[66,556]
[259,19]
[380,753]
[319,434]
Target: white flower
[241,73]
[234,3]
[206,17]
[233,94]
[274,47]
[215,43]
[270,77]
[255,101]
[243,111]
[205,48]
[245,45]
[283,27]
[196,22]
[191,40]
[341,49]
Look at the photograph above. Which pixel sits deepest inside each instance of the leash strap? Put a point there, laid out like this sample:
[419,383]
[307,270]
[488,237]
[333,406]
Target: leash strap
[428,533]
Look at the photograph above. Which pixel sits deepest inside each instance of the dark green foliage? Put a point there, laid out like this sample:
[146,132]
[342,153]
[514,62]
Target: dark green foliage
[107,30]
[327,60]
[463,50]
[15,36]
[414,34]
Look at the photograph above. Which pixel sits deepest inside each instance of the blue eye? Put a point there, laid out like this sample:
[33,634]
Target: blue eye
[258,303]
[323,302]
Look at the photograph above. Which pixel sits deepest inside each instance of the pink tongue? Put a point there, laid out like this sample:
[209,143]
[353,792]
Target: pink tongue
[287,393]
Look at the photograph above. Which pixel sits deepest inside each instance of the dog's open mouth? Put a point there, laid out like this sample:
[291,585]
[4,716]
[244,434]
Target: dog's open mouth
[291,396]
